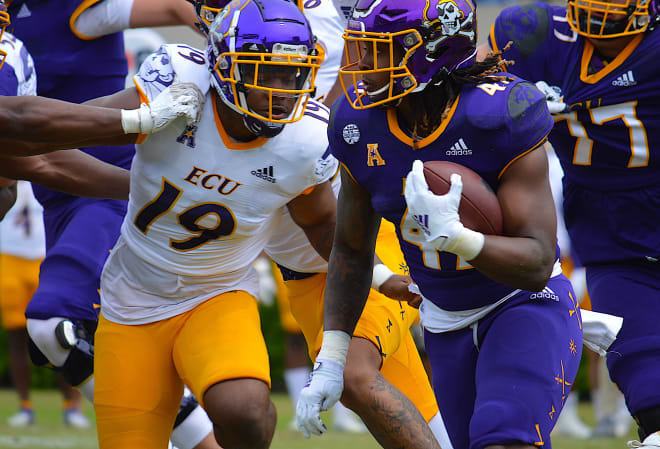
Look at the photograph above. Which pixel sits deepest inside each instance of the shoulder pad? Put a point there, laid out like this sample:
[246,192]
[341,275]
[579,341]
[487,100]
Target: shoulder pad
[526,26]
[494,105]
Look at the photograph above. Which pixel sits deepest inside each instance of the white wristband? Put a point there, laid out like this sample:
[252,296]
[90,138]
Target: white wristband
[335,346]
[380,275]
[468,244]
[130,121]
[137,121]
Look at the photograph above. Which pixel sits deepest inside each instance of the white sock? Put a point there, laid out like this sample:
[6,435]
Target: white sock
[439,430]
[295,379]
[340,411]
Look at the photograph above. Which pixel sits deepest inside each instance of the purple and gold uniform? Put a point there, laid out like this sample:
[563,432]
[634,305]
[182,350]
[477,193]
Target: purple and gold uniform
[79,232]
[608,143]
[513,353]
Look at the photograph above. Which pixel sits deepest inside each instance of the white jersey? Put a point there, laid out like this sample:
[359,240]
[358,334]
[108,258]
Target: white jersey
[328,26]
[22,230]
[20,62]
[202,207]
[290,248]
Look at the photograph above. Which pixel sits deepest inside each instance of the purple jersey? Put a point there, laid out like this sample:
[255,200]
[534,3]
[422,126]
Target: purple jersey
[70,68]
[609,142]
[489,126]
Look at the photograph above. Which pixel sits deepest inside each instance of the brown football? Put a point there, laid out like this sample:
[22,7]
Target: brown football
[479,208]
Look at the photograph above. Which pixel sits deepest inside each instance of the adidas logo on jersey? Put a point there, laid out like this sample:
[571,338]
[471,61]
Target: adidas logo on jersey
[625,80]
[23,12]
[265,173]
[459,149]
[546,293]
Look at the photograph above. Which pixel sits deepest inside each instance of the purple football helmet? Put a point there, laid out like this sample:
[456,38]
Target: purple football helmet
[266,46]
[437,36]
[606,19]
[4,22]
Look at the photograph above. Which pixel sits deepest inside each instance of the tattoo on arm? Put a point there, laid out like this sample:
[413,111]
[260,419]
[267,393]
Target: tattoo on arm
[351,261]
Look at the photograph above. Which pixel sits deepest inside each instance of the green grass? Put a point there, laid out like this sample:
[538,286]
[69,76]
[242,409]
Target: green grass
[50,432]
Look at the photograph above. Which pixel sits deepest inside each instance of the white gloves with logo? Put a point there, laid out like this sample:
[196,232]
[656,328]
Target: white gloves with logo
[555,102]
[178,100]
[323,390]
[437,215]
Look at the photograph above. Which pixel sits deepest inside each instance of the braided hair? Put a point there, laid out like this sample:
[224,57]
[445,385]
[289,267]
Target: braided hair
[433,103]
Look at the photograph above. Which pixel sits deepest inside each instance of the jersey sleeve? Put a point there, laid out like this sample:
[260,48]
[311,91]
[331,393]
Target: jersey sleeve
[155,74]
[172,62]
[527,28]
[529,121]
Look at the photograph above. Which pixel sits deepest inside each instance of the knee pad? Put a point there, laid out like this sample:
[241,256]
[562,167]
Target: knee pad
[648,421]
[44,343]
[68,346]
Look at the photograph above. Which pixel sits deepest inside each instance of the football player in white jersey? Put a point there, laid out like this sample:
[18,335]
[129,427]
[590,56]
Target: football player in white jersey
[178,290]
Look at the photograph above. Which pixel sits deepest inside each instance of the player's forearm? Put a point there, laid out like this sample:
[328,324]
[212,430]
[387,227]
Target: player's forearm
[80,174]
[52,124]
[347,288]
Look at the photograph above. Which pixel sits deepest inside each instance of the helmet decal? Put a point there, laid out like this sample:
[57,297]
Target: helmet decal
[449,21]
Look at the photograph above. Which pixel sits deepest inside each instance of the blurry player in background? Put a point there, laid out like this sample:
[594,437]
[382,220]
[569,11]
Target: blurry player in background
[598,64]
[22,247]
[512,353]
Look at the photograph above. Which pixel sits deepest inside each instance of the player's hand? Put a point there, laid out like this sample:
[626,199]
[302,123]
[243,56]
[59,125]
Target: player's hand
[555,102]
[178,100]
[436,215]
[323,390]
[396,287]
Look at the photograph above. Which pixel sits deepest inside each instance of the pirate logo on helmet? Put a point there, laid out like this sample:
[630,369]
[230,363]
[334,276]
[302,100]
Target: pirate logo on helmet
[450,21]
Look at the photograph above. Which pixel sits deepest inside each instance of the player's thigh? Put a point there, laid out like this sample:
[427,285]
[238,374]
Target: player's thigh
[79,239]
[631,290]
[385,322]
[137,390]
[306,303]
[529,354]
[287,320]
[221,340]
[18,281]
[404,370]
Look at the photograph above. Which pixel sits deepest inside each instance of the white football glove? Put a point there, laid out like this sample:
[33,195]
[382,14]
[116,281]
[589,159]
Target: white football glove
[437,215]
[178,100]
[555,102]
[323,390]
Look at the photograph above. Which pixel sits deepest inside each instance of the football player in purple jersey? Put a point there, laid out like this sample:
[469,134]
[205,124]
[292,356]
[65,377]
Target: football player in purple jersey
[502,328]
[597,62]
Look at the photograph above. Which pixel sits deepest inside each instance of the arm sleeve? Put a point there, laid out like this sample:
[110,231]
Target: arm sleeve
[105,17]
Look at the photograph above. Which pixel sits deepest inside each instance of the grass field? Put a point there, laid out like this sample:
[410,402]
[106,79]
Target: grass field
[49,432]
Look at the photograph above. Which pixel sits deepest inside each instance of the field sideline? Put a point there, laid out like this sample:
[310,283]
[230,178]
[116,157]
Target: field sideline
[51,433]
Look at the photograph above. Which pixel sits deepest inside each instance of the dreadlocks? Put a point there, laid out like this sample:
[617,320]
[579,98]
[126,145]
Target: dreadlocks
[433,103]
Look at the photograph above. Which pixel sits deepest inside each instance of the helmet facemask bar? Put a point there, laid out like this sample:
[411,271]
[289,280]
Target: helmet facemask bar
[401,80]
[278,75]
[4,22]
[603,19]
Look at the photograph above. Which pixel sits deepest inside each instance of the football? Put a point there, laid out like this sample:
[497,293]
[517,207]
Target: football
[479,208]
